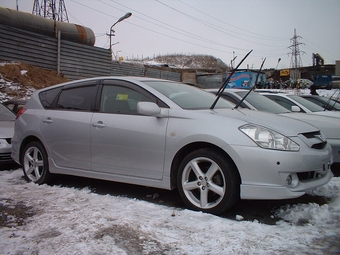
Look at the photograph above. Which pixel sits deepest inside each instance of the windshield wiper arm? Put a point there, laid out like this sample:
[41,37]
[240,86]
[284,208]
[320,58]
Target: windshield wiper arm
[328,105]
[220,91]
[250,90]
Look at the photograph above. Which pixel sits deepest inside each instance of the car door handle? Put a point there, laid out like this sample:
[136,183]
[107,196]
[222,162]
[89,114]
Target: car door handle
[48,120]
[99,124]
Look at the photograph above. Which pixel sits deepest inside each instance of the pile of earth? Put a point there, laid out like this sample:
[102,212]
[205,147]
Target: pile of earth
[16,79]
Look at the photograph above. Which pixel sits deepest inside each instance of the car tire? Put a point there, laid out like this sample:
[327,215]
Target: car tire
[35,163]
[208,181]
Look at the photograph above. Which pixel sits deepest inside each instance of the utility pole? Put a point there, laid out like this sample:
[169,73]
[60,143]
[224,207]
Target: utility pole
[295,61]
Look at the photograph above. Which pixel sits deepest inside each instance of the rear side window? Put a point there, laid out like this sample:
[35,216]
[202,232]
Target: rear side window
[77,99]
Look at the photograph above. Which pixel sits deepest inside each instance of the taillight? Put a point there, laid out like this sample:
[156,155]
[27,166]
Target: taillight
[21,111]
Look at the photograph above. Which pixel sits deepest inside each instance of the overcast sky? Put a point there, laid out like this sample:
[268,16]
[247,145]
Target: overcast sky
[224,29]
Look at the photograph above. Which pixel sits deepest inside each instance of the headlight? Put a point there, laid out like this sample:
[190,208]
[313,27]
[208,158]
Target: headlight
[269,139]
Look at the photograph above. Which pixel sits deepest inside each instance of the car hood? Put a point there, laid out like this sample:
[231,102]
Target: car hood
[6,129]
[334,114]
[282,124]
[329,126]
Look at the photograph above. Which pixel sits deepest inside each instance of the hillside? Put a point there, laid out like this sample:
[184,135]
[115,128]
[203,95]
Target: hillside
[19,80]
[187,62]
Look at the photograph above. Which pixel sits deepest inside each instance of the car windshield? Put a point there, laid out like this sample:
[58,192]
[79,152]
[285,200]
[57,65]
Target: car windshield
[6,114]
[330,102]
[309,105]
[262,103]
[188,97]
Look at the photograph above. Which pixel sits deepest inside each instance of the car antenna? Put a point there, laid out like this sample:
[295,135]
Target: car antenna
[252,88]
[220,91]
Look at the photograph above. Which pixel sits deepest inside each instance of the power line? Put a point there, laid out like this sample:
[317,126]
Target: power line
[212,26]
[197,38]
[238,28]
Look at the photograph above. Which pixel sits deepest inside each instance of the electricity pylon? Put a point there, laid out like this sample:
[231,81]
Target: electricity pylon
[295,61]
[48,9]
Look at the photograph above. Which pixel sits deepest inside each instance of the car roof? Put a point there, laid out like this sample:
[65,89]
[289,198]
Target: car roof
[14,101]
[124,78]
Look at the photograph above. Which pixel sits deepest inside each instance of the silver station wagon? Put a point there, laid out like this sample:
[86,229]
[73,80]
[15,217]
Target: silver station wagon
[168,135]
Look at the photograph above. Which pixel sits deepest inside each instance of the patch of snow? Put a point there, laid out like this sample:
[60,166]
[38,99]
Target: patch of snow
[78,221]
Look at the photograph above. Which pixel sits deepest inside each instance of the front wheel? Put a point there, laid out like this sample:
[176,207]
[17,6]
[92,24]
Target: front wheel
[35,163]
[208,181]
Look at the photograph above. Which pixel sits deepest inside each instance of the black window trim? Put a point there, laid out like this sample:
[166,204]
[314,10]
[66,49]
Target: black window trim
[73,86]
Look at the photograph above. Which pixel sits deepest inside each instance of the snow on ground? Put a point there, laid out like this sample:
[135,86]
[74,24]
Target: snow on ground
[65,220]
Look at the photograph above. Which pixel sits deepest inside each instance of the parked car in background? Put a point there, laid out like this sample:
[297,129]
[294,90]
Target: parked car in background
[6,133]
[296,103]
[325,102]
[253,101]
[15,105]
[329,126]
[168,135]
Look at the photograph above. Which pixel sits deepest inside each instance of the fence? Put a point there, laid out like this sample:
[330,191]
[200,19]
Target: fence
[73,60]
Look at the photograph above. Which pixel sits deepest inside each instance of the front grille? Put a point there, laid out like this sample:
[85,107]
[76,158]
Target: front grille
[319,146]
[311,134]
[9,140]
[307,175]
[314,140]
[5,156]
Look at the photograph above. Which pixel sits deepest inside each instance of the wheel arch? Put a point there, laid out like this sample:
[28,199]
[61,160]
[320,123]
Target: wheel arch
[190,148]
[26,141]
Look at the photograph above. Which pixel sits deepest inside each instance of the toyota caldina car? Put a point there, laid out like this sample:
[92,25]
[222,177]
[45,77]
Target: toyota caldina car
[168,135]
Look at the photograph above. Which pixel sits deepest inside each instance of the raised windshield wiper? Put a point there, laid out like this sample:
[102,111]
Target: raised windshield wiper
[220,91]
[250,90]
[328,106]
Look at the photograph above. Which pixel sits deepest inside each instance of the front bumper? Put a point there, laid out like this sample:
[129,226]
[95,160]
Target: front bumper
[335,145]
[5,158]
[5,152]
[272,174]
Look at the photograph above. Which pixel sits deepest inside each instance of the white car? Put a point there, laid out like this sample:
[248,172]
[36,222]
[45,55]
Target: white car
[168,135]
[296,103]
[6,133]
[330,126]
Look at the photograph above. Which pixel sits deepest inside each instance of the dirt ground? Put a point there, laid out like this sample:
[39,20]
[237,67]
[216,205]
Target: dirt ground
[28,76]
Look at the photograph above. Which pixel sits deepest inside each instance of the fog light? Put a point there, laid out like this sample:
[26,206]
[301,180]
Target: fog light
[289,180]
[292,180]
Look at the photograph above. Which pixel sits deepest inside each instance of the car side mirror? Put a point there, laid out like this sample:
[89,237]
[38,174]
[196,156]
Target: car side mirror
[295,108]
[148,108]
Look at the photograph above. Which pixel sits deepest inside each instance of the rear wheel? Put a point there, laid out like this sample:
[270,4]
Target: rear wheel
[208,181]
[35,163]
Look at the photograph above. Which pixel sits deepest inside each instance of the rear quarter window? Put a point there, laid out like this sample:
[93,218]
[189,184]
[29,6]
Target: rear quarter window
[47,97]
